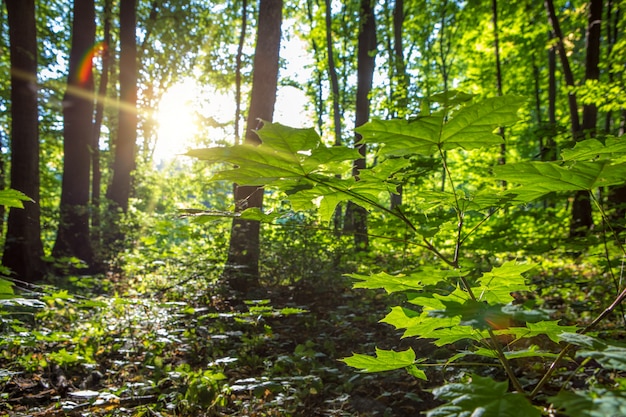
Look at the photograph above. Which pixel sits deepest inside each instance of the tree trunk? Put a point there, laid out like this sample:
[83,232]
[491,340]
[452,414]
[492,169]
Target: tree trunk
[332,74]
[242,38]
[23,249]
[401,80]
[365,73]
[617,195]
[96,175]
[242,267]
[124,163]
[582,219]
[73,238]
[496,45]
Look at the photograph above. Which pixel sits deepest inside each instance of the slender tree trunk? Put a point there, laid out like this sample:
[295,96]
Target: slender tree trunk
[242,267]
[332,74]
[73,237]
[365,73]
[125,144]
[318,91]
[550,153]
[334,94]
[496,44]
[96,175]
[23,249]
[242,38]
[401,79]
[582,219]
[616,195]
[567,70]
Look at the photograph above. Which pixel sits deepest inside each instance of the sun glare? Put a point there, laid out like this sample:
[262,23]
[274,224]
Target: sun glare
[176,120]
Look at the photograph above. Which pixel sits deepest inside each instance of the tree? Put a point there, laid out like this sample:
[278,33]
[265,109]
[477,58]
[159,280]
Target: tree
[242,266]
[96,174]
[124,163]
[73,237]
[23,249]
[582,219]
[365,73]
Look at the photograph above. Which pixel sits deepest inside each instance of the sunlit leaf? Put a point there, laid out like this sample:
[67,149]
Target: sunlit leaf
[593,149]
[401,282]
[13,198]
[540,178]
[469,128]
[497,285]
[552,329]
[385,360]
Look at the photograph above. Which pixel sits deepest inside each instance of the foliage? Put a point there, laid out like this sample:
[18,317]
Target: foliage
[454,299]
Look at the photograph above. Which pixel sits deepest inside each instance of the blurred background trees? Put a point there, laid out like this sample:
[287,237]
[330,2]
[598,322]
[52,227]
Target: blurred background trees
[173,75]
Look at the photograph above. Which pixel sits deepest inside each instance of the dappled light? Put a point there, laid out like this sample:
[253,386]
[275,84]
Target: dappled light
[330,209]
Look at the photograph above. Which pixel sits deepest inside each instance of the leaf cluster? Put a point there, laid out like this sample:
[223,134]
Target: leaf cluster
[453,299]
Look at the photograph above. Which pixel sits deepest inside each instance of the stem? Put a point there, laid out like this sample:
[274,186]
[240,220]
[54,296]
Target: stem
[495,343]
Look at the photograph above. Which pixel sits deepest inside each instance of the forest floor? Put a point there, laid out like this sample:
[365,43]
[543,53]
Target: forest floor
[152,352]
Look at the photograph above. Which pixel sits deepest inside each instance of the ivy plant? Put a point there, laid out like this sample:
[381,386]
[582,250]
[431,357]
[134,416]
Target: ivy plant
[452,301]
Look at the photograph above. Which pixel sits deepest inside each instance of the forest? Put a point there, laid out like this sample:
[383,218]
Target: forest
[314,208]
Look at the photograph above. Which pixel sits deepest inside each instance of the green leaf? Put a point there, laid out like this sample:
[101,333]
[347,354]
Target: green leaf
[611,355]
[497,285]
[385,360]
[593,149]
[552,329]
[446,336]
[286,156]
[477,314]
[473,126]
[401,282]
[469,128]
[482,397]
[593,403]
[6,289]
[539,178]
[13,198]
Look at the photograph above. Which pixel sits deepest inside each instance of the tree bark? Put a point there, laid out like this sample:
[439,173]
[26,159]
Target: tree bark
[124,163]
[23,249]
[496,45]
[582,218]
[567,70]
[365,73]
[73,238]
[242,267]
[401,80]
[96,175]
[332,74]
[242,38]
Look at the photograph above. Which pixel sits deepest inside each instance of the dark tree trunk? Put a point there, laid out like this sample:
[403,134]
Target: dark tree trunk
[567,70]
[401,88]
[617,195]
[96,175]
[582,219]
[124,163]
[242,267]
[73,238]
[496,44]
[23,249]
[365,73]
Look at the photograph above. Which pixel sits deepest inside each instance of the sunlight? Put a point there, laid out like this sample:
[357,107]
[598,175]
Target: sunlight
[177,124]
